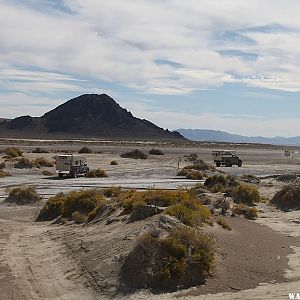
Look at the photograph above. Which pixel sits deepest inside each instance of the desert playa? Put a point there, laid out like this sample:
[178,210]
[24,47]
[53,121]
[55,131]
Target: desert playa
[257,258]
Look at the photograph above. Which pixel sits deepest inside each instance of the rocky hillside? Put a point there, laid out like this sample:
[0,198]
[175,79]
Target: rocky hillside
[89,115]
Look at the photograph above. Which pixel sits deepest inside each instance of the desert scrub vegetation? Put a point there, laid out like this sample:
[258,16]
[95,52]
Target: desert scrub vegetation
[21,196]
[97,173]
[224,224]
[248,212]
[39,150]
[154,151]
[184,258]
[191,157]
[250,179]
[42,162]
[66,205]
[4,174]
[191,174]
[85,150]
[24,163]
[111,192]
[200,165]
[247,194]
[288,197]
[216,183]
[113,163]
[287,177]
[12,152]
[189,214]
[47,173]
[135,154]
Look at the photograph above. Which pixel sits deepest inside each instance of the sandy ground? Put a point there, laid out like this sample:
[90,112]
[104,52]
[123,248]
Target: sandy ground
[40,261]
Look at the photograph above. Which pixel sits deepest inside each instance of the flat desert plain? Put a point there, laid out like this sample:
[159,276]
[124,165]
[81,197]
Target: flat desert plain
[257,259]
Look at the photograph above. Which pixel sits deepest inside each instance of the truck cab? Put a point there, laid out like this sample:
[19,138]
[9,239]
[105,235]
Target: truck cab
[71,165]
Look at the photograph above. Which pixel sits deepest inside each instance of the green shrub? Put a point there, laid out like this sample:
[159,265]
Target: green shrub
[288,197]
[4,174]
[98,173]
[246,194]
[85,150]
[154,151]
[24,163]
[224,224]
[22,196]
[52,208]
[136,154]
[13,151]
[39,150]
[113,163]
[42,162]
[183,259]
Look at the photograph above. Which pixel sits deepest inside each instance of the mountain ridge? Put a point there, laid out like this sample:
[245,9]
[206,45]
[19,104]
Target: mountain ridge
[210,135]
[88,116]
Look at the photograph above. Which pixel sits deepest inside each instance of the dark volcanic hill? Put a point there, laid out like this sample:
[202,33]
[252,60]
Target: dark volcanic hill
[87,116]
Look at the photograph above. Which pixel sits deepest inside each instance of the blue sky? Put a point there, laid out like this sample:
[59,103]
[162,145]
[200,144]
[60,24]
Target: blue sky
[230,65]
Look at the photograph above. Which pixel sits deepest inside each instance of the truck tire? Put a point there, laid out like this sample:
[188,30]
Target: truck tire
[240,164]
[60,175]
[228,164]
[218,164]
[74,174]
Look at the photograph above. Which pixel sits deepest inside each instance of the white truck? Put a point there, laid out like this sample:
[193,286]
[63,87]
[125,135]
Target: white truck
[226,158]
[71,165]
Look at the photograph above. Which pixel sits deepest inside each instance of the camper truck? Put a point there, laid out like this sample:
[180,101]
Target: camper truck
[226,158]
[71,165]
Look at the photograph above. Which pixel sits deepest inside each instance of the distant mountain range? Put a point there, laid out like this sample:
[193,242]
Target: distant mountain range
[221,136]
[87,116]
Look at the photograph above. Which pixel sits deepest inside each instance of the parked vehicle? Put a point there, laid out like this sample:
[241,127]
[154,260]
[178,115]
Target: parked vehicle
[226,158]
[71,165]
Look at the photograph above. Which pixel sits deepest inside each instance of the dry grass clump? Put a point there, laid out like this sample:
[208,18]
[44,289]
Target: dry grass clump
[200,165]
[112,192]
[113,163]
[12,151]
[4,174]
[288,197]
[287,177]
[85,150]
[250,179]
[154,151]
[97,173]
[162,198]
[191,157]
[42,162]
[136,154]
[184,258]
[191,215]
[246,211]
[247,194]
[39,150]
[24,163]
[22,196]
[216,183]
[75,203]
[47,173]
[191,174]
[224,224]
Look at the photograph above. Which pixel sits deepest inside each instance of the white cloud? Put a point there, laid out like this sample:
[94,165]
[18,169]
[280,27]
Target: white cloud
[120,41]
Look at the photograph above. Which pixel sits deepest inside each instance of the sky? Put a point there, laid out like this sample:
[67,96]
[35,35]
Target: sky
[231,65]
